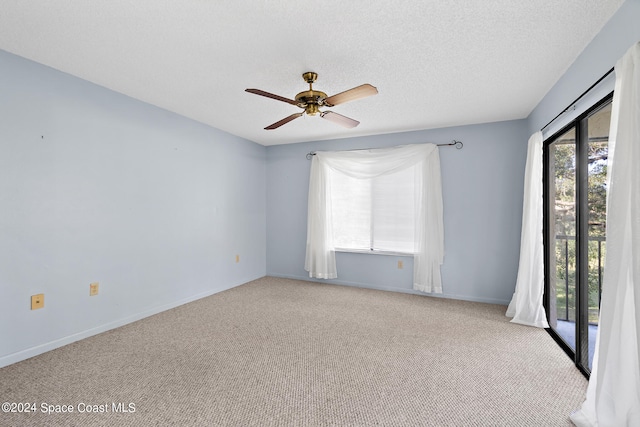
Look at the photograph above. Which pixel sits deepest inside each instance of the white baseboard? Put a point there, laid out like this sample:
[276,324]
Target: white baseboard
[393,289]
[52,345]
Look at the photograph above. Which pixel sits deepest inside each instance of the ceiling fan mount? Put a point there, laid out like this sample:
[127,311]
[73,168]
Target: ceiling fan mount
[310,77]
[311,101]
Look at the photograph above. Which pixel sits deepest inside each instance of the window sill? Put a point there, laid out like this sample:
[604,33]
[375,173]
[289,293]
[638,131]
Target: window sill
[374,252]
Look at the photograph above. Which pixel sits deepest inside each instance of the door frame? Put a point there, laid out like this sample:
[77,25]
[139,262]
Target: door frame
[581,354]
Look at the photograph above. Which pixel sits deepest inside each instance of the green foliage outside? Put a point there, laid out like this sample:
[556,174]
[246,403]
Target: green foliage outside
[565,224]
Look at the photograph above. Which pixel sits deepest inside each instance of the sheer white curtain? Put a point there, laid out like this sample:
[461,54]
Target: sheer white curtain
[613,394]
[526,305]
[368,164]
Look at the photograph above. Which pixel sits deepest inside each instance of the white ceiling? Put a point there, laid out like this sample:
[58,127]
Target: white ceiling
[435,63]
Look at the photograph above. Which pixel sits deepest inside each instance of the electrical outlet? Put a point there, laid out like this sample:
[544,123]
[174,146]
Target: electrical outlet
[93,288]
[37,301]
[237,258]
[400,264]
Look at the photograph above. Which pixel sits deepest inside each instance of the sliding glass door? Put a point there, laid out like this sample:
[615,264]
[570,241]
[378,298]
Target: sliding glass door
[575,230]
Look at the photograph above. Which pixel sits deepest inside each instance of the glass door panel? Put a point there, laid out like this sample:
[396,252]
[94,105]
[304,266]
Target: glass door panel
[562,236]
[598,151]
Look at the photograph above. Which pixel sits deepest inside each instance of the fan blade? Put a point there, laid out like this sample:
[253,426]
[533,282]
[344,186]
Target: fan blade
[283,121]
[271,95]
[351,95]
[339,119]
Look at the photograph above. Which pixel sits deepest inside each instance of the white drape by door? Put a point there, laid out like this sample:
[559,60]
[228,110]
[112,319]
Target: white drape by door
[367,164]
[526,305]
[613,394]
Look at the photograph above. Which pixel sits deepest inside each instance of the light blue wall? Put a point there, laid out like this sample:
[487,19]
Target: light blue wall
[96,186]
[482,191]
[615,38]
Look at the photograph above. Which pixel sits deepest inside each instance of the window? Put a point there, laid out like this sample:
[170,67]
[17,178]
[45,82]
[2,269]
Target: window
[374,190]
[374,215]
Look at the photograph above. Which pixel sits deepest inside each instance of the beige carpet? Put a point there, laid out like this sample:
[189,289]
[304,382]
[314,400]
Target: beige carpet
[286,352]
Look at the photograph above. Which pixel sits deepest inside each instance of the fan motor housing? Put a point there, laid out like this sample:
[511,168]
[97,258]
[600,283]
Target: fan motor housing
[310,98]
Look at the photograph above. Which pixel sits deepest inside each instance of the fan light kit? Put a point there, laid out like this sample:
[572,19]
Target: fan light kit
[311,101]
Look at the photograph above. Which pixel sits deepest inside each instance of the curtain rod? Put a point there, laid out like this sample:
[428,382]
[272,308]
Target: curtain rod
[457,144]
[578,98]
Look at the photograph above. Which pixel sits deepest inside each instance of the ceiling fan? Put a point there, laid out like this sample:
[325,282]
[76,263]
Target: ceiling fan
[311,100]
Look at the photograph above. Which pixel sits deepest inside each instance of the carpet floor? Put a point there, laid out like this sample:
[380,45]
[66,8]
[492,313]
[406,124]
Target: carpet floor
[293,353]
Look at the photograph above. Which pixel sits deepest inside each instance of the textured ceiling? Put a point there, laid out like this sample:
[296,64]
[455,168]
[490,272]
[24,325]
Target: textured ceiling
[435,63]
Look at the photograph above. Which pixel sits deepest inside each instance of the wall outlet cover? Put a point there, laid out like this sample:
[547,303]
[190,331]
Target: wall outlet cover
[37,301]
[93,288]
